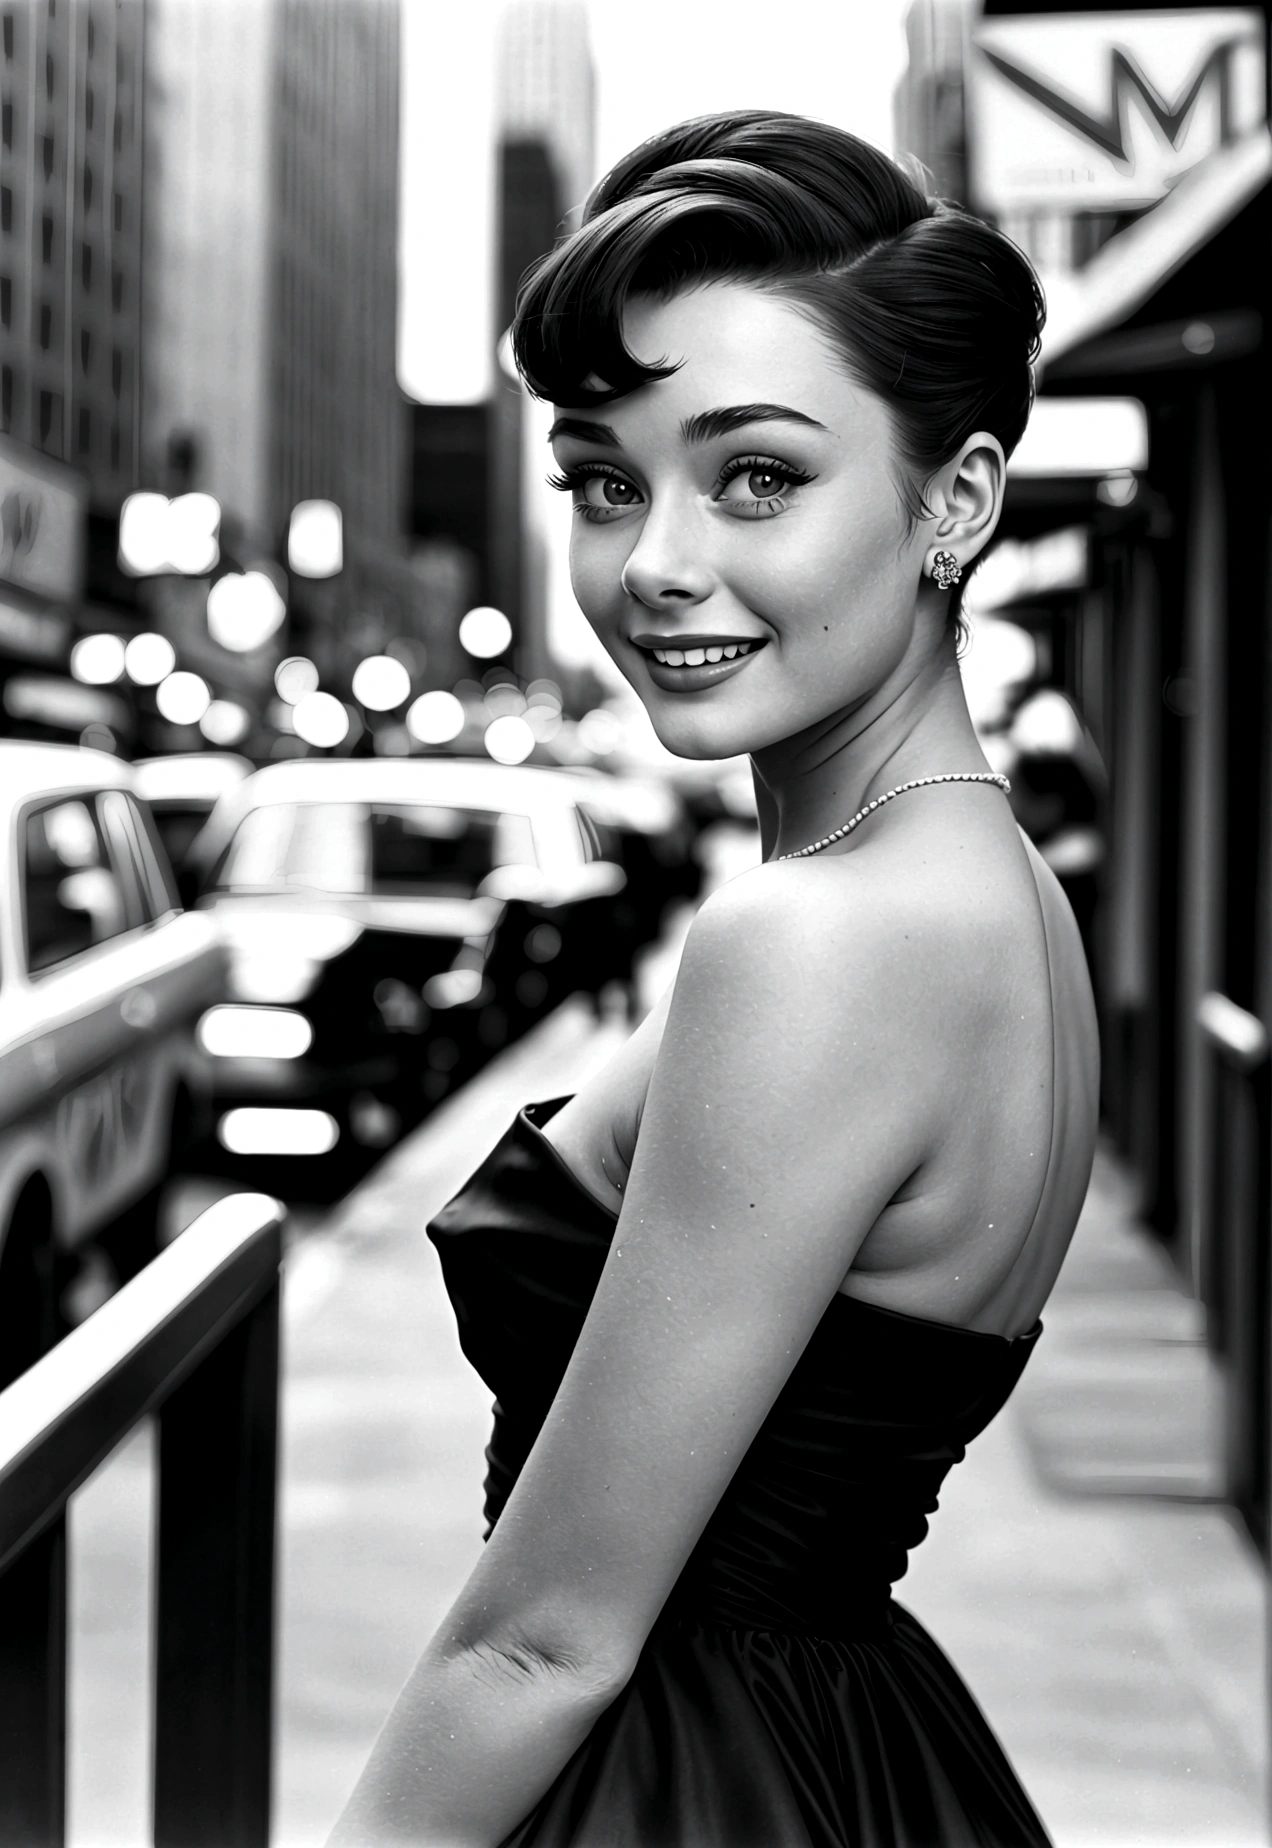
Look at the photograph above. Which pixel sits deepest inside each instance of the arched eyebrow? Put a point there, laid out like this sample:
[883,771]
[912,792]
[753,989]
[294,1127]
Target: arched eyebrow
[709,424]
[702,428]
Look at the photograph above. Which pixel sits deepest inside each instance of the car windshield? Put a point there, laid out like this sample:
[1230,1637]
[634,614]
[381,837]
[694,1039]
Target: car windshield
[359,849]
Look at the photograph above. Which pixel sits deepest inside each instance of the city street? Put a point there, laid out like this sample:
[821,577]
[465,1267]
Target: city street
[1107,1613]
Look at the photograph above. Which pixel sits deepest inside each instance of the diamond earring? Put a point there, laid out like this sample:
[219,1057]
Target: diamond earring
[946,570]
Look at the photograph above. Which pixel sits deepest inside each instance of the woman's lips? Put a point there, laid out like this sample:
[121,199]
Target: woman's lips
[672,677]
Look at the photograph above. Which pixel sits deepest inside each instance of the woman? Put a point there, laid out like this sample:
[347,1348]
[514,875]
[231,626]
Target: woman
[744,1301]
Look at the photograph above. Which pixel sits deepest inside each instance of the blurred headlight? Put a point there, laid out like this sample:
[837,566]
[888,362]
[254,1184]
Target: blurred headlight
[254,1131]
[453,987]
[255,1033]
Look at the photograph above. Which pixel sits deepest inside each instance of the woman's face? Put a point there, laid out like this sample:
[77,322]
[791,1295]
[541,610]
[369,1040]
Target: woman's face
[739,543]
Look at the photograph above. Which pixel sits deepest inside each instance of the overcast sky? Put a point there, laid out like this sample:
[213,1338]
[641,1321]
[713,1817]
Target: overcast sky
[656,63]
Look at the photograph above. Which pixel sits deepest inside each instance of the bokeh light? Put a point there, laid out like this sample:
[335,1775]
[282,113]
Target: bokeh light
[485,632]
[381,683]
[244,611]
[98,659]
[295,677]
[225,723]
[315,539]
[502,699]
[149,658]
[181,535]
[321,720]
[509,740]
[183,698]
[435,718]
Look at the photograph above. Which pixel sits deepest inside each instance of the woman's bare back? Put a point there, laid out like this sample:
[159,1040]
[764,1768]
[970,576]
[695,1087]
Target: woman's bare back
[978,1232]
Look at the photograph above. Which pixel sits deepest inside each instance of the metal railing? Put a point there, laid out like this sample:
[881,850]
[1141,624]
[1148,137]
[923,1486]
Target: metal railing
[194,1338]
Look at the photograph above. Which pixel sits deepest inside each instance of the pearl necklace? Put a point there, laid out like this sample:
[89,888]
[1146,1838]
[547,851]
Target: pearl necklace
[952,776]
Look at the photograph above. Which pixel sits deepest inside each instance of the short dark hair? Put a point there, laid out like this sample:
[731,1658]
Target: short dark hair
[933,310]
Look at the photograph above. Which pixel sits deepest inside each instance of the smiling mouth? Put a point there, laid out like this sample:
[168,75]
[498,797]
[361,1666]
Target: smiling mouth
[701,655]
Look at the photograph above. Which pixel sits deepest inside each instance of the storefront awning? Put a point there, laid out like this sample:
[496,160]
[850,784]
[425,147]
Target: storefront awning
[1132,266]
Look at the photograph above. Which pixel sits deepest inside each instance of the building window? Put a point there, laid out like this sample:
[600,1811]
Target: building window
[47,406]
[88,185]
[83,440]
[46,238]
[90,105]
[116,371]
[117,211]
[46,326]
[6,208]
[6,124]
[50,76]
[6,398]
[117,290]
[86,351]
[6,300]
[48,157]
[114,445]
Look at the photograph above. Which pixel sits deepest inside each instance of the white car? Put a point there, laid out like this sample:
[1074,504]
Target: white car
[102,978]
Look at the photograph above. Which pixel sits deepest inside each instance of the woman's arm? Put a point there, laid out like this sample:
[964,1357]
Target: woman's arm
[796,1088]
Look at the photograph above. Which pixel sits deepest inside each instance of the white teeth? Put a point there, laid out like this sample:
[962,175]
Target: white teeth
[699,657]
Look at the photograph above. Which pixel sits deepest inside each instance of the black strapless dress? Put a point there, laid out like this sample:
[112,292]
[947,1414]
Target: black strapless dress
[783,1699]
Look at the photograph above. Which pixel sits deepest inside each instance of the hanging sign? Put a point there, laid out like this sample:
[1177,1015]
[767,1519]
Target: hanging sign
[1106,111]
[43,509]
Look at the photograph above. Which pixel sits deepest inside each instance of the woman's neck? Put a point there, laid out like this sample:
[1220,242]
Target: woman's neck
[810,784]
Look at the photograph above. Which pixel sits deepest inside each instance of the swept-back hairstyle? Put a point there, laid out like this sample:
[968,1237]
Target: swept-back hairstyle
[931,309]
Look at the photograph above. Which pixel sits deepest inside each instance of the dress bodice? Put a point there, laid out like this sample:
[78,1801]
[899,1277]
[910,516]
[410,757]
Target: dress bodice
[844,1472]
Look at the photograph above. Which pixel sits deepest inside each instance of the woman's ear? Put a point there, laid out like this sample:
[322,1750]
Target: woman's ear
[966,499]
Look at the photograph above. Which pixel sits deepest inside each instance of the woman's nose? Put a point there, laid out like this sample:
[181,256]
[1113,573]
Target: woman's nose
[665,566]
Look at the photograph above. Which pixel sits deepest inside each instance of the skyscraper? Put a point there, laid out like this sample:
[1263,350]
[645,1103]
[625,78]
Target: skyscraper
[70,235]
[70,331]
[272,266]
[272,223]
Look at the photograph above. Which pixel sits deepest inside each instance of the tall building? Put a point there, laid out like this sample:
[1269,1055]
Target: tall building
[71,156]
[70,235]
[272,284]
[545,113]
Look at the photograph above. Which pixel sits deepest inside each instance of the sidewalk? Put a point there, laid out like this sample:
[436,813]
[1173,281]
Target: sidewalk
[1107,1611]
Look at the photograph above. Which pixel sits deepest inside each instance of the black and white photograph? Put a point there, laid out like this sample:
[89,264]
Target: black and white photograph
[635,924]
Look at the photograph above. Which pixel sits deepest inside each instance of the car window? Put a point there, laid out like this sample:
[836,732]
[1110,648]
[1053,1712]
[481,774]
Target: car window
[72,896]
[178,824]
[390,849]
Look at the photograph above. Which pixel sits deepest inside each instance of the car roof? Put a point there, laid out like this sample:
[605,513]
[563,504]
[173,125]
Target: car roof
[189,775]
[475,782]
[408,779]
[30,769]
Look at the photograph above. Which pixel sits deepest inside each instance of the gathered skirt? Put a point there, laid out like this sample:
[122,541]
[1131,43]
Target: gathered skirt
[746,1738]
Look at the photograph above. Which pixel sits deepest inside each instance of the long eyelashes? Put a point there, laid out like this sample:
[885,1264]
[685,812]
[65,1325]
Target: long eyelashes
[756,506]
[767,465]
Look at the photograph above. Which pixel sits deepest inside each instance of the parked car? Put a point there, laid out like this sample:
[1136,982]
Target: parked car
[182,790]
[644,824]
[102,981]
[392,923]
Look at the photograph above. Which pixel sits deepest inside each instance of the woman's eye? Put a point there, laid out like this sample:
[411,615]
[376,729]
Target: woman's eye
[597,493]
[759,485]
[606,491]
